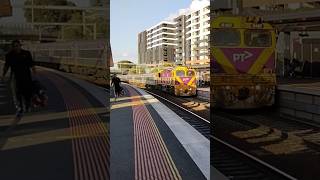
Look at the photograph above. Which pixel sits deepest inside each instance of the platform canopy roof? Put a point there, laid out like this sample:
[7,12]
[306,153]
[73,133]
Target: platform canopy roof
[253,3]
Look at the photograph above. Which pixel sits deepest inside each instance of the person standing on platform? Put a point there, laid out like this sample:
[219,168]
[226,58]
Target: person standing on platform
[116,85]
[21,64]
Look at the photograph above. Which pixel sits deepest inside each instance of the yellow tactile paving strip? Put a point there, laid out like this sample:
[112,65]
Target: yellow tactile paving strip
[152,158]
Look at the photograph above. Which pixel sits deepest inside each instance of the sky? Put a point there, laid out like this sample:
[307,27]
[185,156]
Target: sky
[130,17]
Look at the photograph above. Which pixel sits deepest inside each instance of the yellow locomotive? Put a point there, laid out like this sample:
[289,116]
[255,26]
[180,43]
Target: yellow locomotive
[177,80]
[242,62]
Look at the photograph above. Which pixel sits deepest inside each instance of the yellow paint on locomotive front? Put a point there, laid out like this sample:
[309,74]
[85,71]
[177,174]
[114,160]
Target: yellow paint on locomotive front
[171,79]
[258,80]
[242,24]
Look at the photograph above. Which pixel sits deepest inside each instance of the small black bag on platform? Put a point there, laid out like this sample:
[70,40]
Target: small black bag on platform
[39,94]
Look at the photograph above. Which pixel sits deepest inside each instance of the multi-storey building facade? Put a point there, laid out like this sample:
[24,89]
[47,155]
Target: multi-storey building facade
[180,53]
[157,44]
[185,40]
[197,36]
[142,45]
[161,42]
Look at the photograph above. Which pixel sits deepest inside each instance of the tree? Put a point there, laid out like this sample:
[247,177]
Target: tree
[155,70]
[137,70]
[125,64]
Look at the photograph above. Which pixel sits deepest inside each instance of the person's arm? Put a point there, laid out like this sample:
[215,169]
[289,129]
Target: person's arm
[5,68]
[112,81]
[32,64]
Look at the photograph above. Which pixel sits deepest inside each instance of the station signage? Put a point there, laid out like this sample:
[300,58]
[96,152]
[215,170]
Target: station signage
[5,8]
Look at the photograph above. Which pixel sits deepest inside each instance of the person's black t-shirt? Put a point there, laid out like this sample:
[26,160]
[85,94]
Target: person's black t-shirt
[116,81]
[20,64]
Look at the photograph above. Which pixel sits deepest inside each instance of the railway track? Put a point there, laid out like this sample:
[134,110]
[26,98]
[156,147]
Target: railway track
[199,123]
[237,164]
[309,132]
[229,160]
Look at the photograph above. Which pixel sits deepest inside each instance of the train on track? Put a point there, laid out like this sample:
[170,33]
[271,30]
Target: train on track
[84,57]
[177,80]
[242,62]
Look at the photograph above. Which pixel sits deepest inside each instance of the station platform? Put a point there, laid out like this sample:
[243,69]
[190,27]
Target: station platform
[299,99]
[306,86]
[68,139]
[150,141]
[203,94]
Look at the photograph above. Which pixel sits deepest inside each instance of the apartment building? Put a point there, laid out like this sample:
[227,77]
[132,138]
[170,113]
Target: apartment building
[180,52]
[142,47]
[160,44]
[197,36]
[184,40]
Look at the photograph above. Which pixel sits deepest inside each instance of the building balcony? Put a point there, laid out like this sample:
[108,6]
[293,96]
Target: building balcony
[200,48]
[179,28]
[203,54]
[198,62]
[201,41]
[179,51]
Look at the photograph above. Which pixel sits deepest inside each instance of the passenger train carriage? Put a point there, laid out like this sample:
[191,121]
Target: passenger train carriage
[82,57]
[243,62]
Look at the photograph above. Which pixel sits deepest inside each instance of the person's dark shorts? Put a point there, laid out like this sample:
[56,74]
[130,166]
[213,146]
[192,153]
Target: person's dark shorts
[118,89]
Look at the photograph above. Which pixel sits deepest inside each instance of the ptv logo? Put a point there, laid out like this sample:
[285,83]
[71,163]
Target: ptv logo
[241,56]
[186,80]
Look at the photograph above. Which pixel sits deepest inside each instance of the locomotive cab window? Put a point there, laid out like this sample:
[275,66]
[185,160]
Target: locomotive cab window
[257,38]
[190,73]
[180,73]
[226,37]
